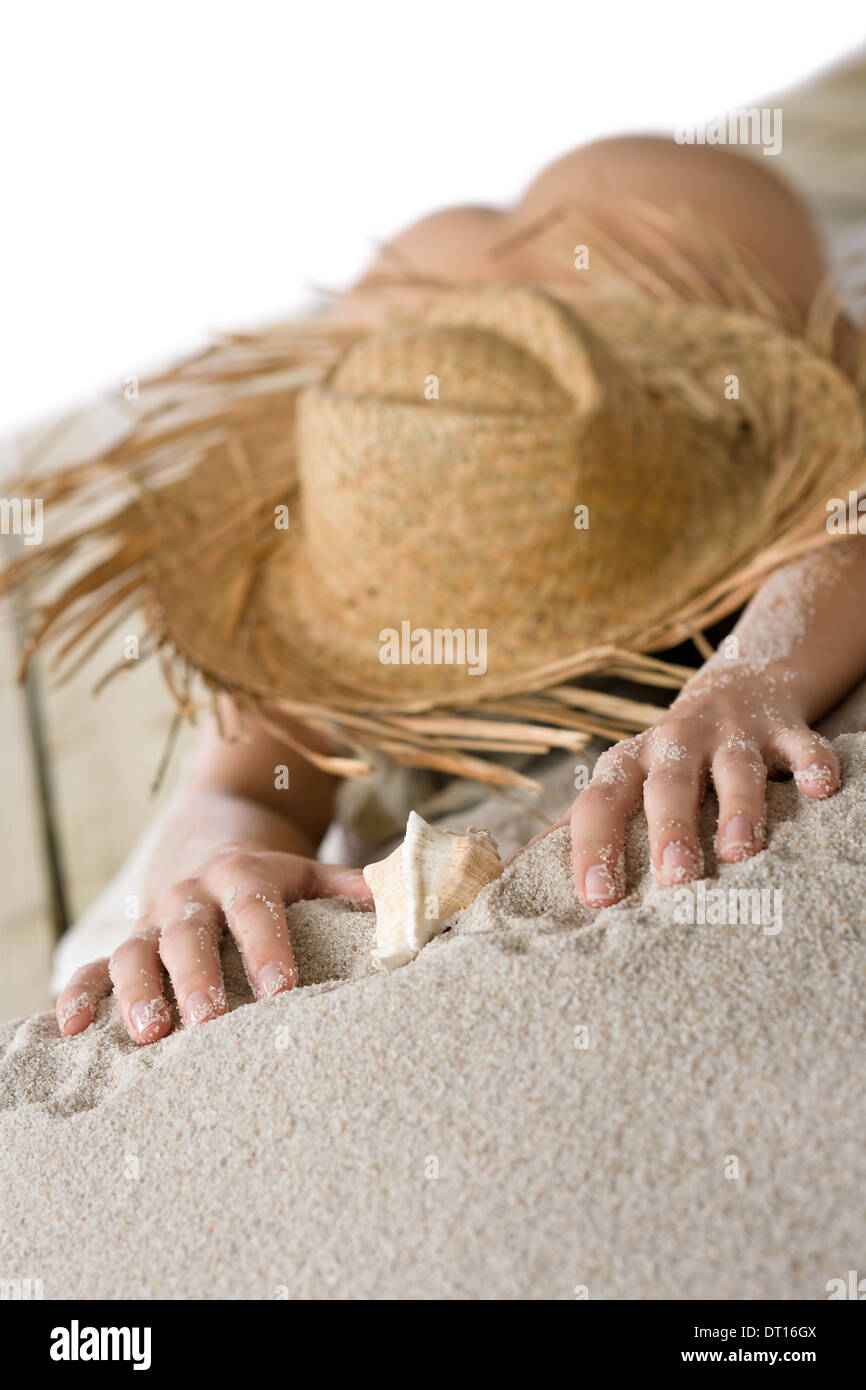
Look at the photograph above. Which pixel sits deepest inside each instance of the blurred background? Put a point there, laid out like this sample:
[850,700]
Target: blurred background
[175,169]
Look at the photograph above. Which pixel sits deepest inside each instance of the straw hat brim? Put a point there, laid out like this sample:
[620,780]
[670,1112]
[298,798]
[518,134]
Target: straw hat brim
[732,485]
[715,481]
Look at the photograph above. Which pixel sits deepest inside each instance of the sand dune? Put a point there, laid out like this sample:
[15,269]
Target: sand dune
[548,1100]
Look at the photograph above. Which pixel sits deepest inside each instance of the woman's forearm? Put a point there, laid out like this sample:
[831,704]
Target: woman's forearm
[802,639]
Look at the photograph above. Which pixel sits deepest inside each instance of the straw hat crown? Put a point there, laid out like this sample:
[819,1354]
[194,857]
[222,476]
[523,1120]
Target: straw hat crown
[543,493]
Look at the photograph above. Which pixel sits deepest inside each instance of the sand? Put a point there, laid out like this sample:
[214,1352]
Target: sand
[550,1102]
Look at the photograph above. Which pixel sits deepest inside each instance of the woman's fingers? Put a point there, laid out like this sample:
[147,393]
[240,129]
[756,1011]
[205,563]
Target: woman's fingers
[183,935]
[136,974]
[810,758]
[740,779]
[670,763]
[76,1004]
[337,881]
[190,951]
[300,879]
[672,798]
[598,821]
[253,908]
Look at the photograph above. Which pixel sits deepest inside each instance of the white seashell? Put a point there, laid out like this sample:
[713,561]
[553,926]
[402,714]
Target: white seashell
[432,875]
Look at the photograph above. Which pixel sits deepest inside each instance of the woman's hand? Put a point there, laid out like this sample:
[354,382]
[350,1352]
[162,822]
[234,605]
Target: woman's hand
[242,892]
[733,727]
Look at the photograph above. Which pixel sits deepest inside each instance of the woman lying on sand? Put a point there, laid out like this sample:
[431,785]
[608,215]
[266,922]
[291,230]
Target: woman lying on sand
[238,848]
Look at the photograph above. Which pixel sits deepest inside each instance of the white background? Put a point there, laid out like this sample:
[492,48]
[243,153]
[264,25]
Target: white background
[174,167]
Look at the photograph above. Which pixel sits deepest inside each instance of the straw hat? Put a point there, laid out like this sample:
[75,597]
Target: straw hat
[416,536]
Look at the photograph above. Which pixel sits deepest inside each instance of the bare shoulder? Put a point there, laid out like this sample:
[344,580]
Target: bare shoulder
[739,195]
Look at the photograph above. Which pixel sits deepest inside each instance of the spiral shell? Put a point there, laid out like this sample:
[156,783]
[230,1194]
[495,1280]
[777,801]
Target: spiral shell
[417,889]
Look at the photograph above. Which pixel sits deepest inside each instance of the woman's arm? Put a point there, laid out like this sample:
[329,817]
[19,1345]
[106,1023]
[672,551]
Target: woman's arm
[246,787]
[803,632]
[797,649]
[237,848]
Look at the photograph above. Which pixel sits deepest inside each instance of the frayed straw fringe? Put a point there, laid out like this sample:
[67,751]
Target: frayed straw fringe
[254,376]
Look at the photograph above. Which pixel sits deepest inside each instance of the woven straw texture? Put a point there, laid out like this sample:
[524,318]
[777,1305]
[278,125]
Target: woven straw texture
[453,510]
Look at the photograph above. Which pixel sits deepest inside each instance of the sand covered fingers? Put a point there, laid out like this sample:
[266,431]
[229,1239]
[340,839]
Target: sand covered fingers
[252,902]
[739,776]
[598,820]
[808,757]
[174,952]
[76,1004]
[136,974]
[676,752]
[189,946]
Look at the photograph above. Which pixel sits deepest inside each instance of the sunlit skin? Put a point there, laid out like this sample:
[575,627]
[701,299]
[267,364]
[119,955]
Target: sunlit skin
[238,848]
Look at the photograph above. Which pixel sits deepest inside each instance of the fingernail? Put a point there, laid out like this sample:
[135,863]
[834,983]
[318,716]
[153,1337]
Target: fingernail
[76,1015]
[679,861]
[598,884]
[738,833]
[820,773]
[147,1016]
[75,1023]
[272,979]
[198,1007]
